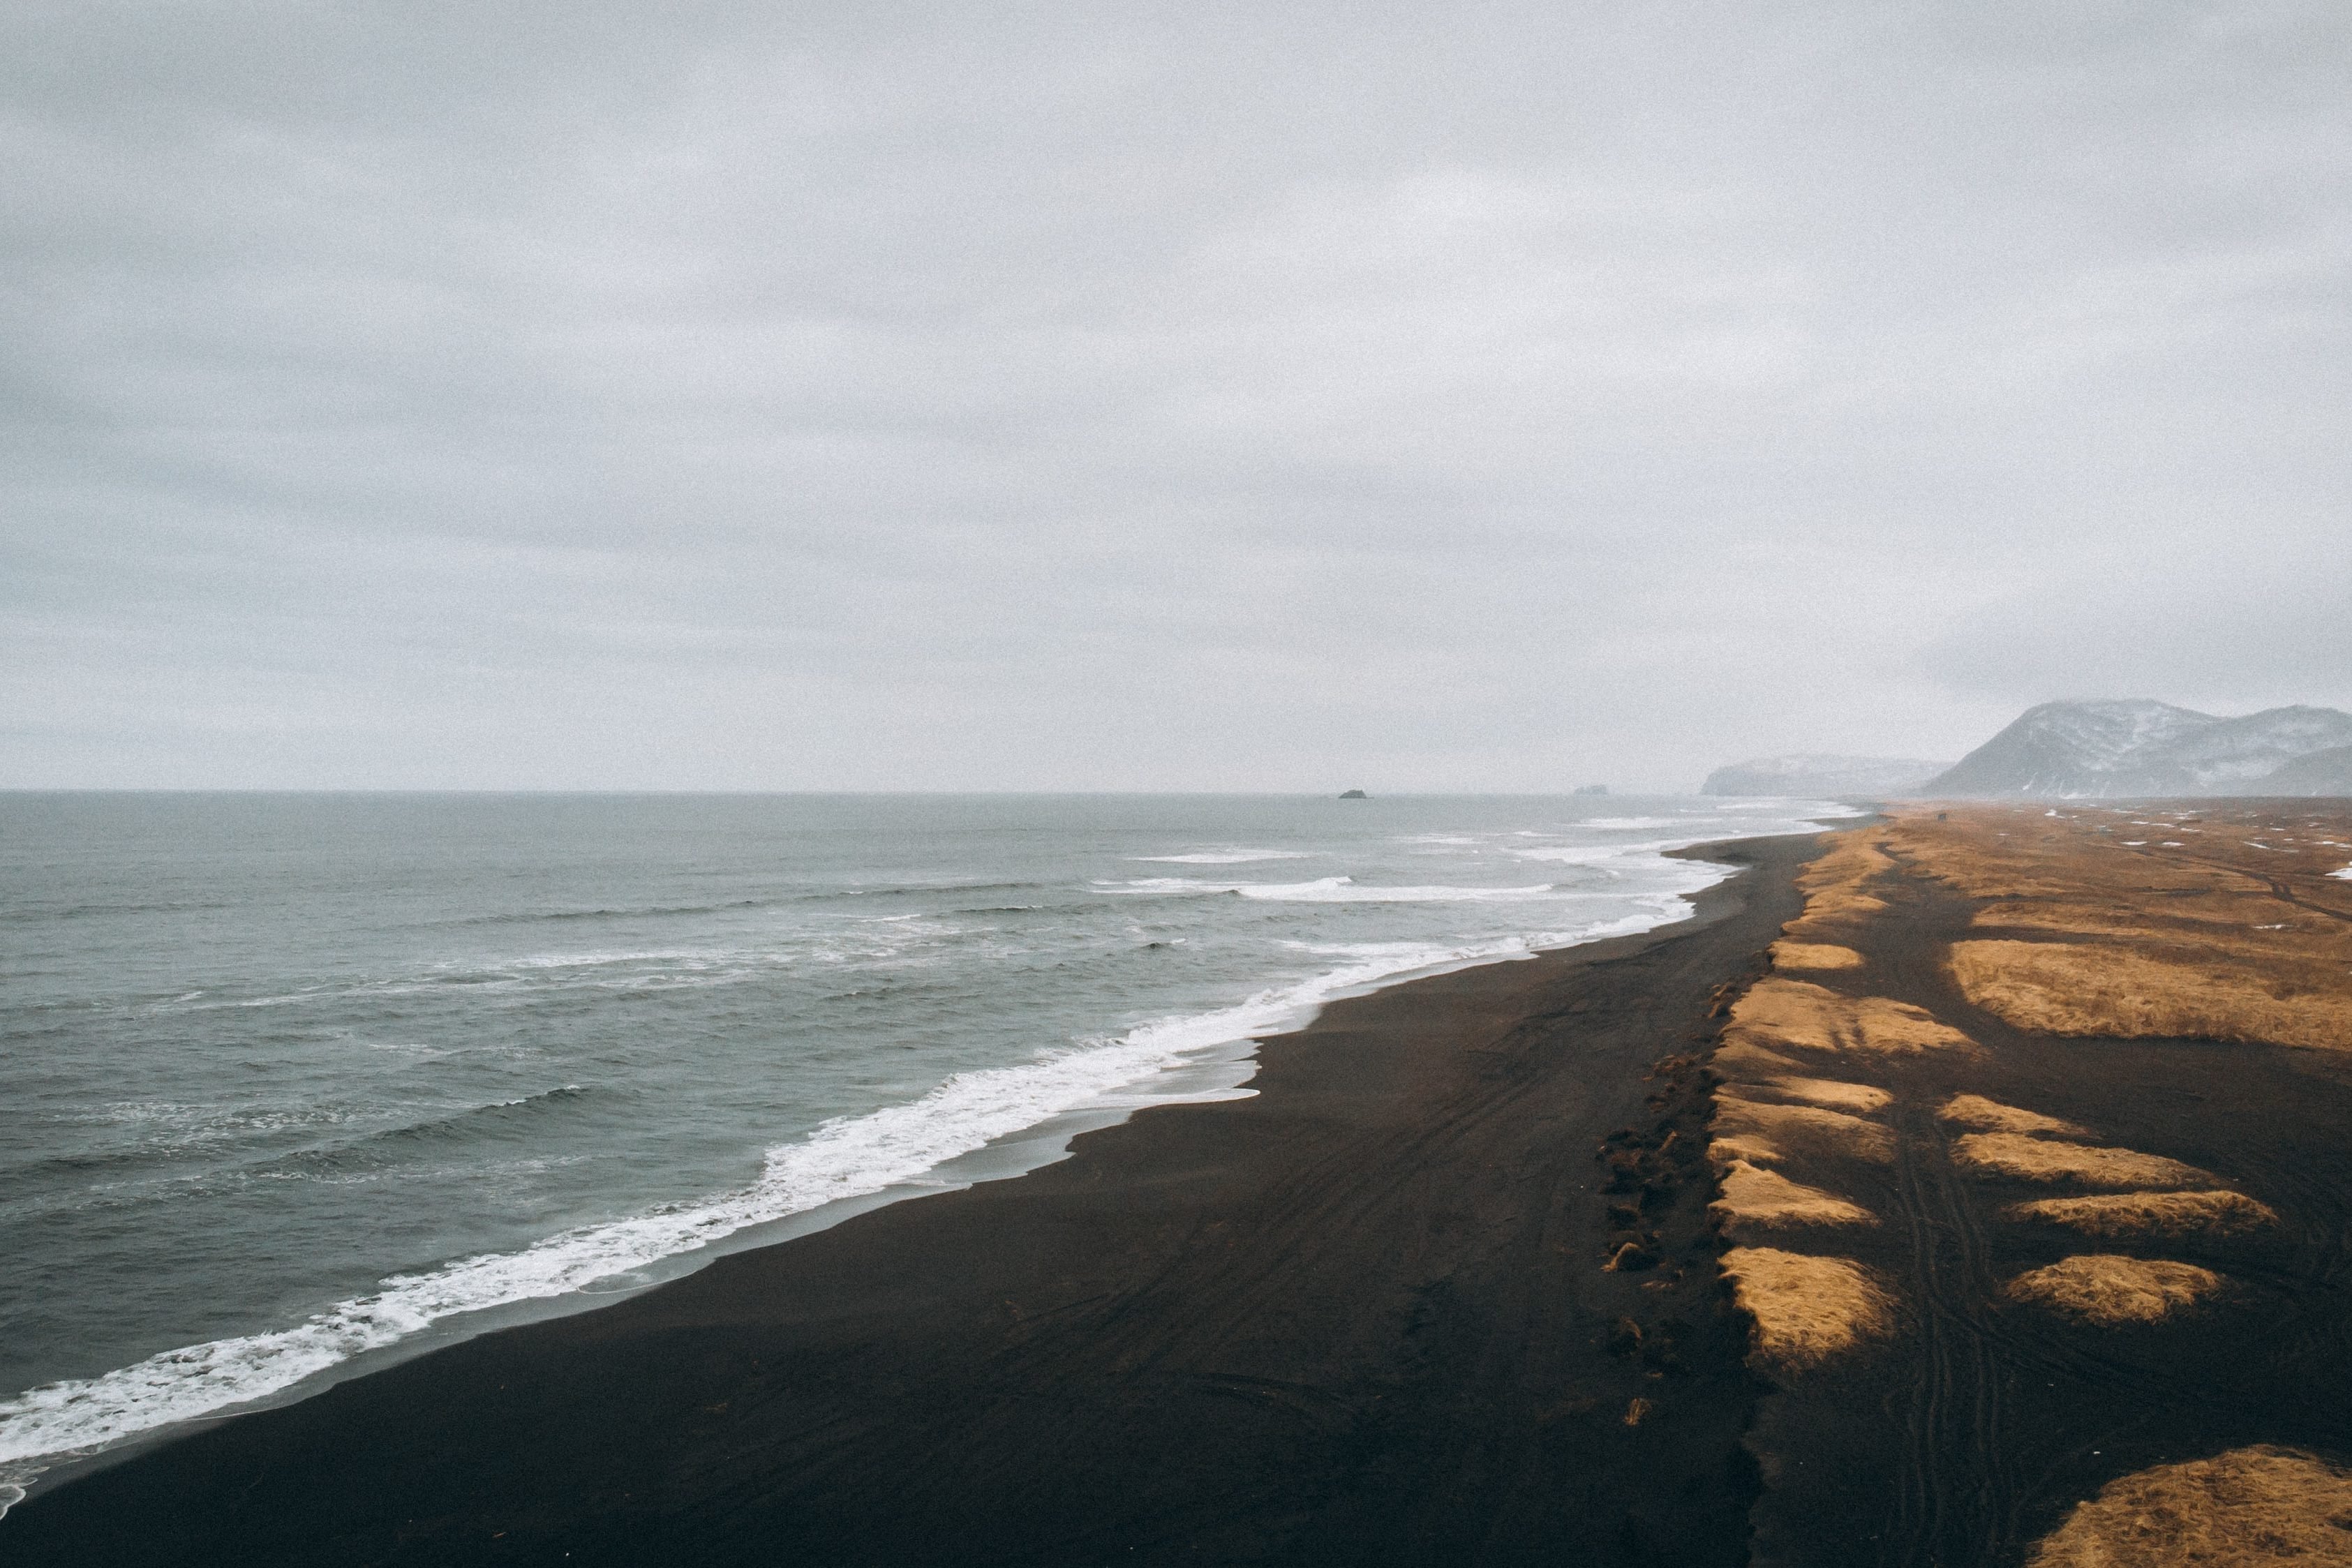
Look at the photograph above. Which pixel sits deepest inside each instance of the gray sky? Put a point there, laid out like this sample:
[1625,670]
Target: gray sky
[751,396]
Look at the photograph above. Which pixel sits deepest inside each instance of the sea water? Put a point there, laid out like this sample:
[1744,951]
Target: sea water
[290,1082]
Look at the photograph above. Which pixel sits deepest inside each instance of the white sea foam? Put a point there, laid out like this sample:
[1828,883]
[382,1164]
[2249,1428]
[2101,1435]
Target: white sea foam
[1346,890]
[850,1157]
[906,938]
[846,1158]
[1593,854]
[1791,806]
[1224,857]
[897,1146]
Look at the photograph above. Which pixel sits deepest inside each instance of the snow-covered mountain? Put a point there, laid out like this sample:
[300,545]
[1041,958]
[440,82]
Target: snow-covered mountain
[2327,772]
[1811,773]
[2134,746]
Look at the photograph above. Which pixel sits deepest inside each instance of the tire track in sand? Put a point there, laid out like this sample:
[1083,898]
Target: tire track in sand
[1953,1486]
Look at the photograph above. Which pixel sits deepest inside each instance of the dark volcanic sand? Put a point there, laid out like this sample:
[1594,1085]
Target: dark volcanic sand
[1358,1318]
[1967,1438]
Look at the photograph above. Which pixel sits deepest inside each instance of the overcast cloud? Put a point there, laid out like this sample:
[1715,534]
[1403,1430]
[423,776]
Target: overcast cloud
[744,396]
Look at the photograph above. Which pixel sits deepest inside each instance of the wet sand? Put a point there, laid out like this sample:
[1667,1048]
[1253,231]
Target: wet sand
[1366,1316]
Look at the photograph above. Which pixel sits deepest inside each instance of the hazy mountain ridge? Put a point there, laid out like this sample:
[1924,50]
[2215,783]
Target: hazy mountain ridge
[2134,746]
[1821,774]
[2327,772]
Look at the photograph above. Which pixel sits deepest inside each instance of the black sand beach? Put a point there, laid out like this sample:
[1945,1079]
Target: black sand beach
[1362,1317]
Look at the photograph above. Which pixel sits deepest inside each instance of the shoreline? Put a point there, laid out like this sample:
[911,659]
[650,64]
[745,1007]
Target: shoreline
[1222,1069]
[1108,1174]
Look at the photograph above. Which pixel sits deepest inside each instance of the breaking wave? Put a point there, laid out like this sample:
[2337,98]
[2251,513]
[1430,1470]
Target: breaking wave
[849,1157]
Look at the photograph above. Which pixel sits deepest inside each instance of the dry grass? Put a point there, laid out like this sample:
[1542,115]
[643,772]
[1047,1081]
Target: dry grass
[2039,1159]
[1793,955]
[1835,1095]
[1745,1058]
[1852,859]
[1834,884]
[2004,852]
[1725,1153]
[2142,860]
[2082,988]
[2131,1214]
[1992,1116]
[1754,1196]
[1778,1014]
[2203,916]
[1780,1128]
[1806,1310]
[2107,1291]
[2245,1508]
[2230,927]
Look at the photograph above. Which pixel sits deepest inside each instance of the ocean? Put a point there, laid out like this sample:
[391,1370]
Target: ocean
[297,1083]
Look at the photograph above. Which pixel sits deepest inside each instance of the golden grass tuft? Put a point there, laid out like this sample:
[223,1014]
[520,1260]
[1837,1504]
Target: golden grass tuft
[2132,1214]
[1725,1153]
[1778,1014]
[1852,858]
[1991,852]
[1753,1197]
[2039,1159]
[2245,1508]
[1806,1310]
[2230,928]
[2206,917]
[1788,954]
[1835,1095]
[1805,1127]
[1740,1057]
[1992,1116]
[2107,1291]
[1834,884]
[2082,988]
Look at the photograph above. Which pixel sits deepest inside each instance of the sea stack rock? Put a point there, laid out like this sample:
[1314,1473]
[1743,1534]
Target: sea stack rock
[1353,795]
